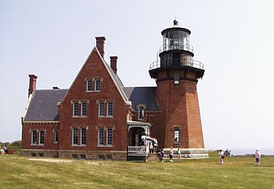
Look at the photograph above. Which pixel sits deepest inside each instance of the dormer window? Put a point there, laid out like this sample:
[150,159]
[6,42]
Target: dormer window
[176,79]
[141,112]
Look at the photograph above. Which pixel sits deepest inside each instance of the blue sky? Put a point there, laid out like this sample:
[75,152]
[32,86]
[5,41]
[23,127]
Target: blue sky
[234,39]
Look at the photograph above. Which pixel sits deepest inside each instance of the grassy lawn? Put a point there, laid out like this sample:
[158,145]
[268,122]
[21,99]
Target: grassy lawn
[237,172]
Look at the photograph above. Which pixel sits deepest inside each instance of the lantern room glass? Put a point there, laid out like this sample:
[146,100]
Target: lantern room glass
[176,40]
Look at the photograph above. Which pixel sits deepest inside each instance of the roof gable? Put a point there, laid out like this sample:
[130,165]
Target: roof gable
[91,66]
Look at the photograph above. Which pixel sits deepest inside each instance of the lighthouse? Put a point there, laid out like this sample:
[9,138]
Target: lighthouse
[176,74]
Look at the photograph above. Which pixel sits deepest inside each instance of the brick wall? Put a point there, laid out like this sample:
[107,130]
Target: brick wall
[93,68]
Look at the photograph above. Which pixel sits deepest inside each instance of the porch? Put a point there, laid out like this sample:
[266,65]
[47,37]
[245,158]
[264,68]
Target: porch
[137,148]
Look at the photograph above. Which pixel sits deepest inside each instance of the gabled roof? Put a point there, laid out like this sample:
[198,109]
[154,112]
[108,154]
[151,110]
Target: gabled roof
[43,105]
[143,95]
[115,78]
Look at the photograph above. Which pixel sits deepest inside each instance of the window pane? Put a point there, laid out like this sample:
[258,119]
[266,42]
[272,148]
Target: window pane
[56,136]
[141,113]
[176,78]
[42,137]
[109,137]
[110,109]
[97,84]
[84,109]
[75,136]
[176,135]
[101,109]
[83,135]
[75,108]
[34,137]
[101,137]
[89,85]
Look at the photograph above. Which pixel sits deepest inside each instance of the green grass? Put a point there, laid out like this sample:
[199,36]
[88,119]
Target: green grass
[237,172]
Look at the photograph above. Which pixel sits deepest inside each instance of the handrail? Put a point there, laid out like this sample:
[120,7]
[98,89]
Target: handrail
[190,63]
[179,46]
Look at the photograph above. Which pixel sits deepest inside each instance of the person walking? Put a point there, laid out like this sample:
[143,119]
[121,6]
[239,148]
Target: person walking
[161,155]
[171,154]
[179,155]
[222,157]
[257,157]
[5,149]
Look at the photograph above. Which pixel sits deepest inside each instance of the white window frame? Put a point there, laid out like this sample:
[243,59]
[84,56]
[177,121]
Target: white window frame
[73,109]
[96,84]
[108,129]
[35,142]
[72,136]
[101,129]
[99,109]
[176,135]
[81,136]
[40,137]
[56,137]
[82,109]
[108,105]
[141,112]
[89,81]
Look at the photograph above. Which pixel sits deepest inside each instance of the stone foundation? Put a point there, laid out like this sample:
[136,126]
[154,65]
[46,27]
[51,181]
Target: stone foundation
[39,153]
[188,153]
[76,154]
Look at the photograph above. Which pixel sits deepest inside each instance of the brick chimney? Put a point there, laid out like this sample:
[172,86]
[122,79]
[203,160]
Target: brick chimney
[100,42]
[32,83]
[113,63]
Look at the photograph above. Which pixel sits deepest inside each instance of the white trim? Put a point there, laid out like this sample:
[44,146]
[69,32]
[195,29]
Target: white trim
[111,137]
[27,107]
[82,108]
[122,93]
[39,140]
[99,109]
[112,109]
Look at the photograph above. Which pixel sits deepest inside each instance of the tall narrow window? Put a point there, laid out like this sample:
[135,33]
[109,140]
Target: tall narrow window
[41,137]
[83,136]
[33,137]
[84,109]
[75,136]
[141,112]
[110,109]
[101,136]
[56,136]
[176,135]
[176,78]
[75,109]
[98,85]
[109,136]
[89,85]
[101,109]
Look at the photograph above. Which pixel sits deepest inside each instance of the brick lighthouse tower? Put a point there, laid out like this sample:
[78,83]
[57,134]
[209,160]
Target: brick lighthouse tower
[176,75]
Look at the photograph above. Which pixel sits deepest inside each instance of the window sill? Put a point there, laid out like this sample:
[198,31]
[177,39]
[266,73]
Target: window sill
[37,144]
[79,116]
[110,146]
[78,145]
[55,142]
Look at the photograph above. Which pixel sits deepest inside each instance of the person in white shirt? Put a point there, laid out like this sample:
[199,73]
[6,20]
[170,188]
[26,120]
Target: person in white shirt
[171,154]
[222,157]
[257,157]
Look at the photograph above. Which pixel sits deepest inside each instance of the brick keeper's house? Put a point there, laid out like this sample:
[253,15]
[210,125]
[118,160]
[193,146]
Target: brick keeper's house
[99,118]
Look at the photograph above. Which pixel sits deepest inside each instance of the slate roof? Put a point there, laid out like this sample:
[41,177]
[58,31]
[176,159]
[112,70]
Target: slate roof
[142,95]
[43,105]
